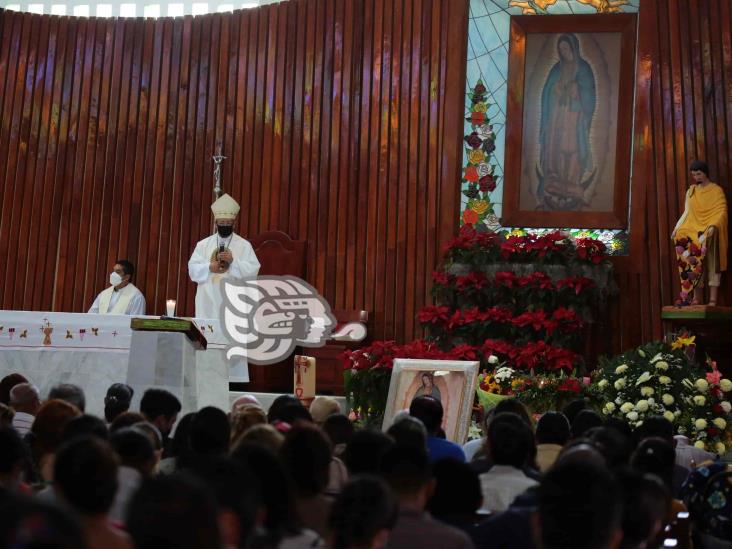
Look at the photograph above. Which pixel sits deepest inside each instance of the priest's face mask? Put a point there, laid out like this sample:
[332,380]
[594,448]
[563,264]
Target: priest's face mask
[225,227]
[118,275]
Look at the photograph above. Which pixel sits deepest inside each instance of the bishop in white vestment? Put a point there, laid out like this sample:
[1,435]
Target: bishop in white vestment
[122,297]
[223,255]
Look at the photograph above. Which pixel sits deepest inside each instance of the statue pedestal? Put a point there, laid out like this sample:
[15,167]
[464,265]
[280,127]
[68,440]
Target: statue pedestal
[712,326]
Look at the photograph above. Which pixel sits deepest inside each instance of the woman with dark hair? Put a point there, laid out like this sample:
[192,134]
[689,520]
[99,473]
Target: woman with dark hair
[117,401]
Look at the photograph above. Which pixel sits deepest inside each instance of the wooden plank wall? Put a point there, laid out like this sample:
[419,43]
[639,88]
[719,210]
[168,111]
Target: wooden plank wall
[341,121]
[683,111]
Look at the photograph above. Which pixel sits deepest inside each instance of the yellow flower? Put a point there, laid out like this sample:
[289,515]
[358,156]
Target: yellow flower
[665,380]
[668,415]
[699,444]
[700,424]
[480,206]
[480,107]
[720,448]
[662,365]
[725,385]
[702,385]
[620,369]
[682,342]
[699,400]
[668,399]
[476,156]
[641,405]
[647,391]
[719,422]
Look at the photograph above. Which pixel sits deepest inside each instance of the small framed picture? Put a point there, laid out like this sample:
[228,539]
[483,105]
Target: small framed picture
[451,382]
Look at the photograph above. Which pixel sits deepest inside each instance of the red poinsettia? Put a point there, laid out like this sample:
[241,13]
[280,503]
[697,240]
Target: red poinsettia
[433,314]
[570,385]
[441,278]
[535,319]
[497,347]
[506,278]
[591,250]
[578,283]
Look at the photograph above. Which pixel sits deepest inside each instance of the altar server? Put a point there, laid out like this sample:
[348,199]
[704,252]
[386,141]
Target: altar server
[122,297]
[223,255]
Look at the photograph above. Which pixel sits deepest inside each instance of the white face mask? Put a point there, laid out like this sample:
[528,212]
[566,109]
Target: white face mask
[115,279]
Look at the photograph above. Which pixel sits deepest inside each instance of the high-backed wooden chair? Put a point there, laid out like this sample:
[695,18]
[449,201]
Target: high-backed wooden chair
[278,254]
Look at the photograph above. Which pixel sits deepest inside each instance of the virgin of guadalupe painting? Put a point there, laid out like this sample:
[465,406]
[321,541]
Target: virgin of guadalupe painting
[565,173]
[568,134]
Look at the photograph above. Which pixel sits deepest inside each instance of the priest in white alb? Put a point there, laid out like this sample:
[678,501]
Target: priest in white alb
[223,255]
[122,297]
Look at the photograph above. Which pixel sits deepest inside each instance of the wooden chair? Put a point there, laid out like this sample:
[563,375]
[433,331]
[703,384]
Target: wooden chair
[278,254]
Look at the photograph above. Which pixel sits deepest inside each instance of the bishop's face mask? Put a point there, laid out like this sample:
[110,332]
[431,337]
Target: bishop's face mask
[225,230]
[115,279]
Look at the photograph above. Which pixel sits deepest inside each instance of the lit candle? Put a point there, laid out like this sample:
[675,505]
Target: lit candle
[170,307]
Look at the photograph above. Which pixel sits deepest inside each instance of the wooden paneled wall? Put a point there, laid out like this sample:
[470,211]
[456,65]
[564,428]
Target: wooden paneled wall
[683,111]
[341,121]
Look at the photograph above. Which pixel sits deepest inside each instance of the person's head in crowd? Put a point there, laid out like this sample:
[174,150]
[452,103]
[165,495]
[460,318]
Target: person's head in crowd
[409,431]
[584,421]
[245,416]
[581,450]
[85,424]
[514,406]
[279,518]
[173,511]
[209,432]
[306,455]
[278,404]
[25,397]
[266,435]
[73,394]
[13,456]
[429,411]
[125,419]
[152,433]
[573,408]
[236,491]
[180,446]
[294,413]
[161,408]
[85,475]
[6,415]
[118,399]
[407,470]
[655,426]
[363,514]
[340,431]
[552,428]
[47,431]
[7,383]
[510,441]
[579,506]
[656,456]
[34,524]
[646,505]
[620,426]
[134,450]
[457,489]
[365,451]
[614,445]
[323,406]
[245,400]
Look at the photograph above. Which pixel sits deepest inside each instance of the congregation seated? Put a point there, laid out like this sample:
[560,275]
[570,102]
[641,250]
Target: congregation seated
[429,411]
[247,477]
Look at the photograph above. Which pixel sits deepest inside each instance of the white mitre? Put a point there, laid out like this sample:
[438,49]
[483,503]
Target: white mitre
[225,207]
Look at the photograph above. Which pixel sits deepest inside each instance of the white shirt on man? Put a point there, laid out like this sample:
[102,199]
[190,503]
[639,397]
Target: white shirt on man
[125,301]
[244,265]
[500,486]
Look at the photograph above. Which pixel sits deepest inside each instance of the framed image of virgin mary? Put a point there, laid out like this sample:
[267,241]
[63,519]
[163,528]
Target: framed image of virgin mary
[569,121]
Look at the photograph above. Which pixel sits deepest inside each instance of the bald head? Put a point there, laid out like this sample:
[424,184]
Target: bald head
[25,397]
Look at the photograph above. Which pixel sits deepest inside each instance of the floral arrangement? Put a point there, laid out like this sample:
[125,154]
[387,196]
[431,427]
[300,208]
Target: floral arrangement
[708,419]
[660,379]
[539,392]
[479,177]
[690,261]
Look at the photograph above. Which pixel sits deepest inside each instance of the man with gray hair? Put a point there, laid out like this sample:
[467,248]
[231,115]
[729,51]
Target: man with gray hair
[73,394]
[25,400]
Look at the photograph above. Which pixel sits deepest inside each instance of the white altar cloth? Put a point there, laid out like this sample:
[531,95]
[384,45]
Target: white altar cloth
[92,351]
